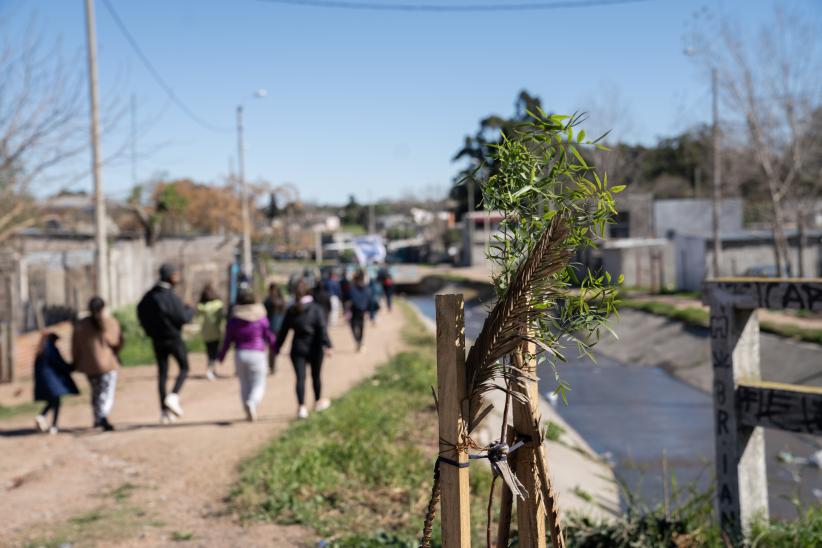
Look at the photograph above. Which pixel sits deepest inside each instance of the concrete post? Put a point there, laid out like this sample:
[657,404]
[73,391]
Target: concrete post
[742,489]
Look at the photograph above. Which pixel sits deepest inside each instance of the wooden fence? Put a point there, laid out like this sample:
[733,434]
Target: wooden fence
[743,402]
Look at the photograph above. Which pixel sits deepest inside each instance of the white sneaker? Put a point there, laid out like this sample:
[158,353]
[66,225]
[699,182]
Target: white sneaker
[322,404]
[302,412]
[210,374]
[172,402]
[250,412]
[53,430]
[42,424]
[167,418]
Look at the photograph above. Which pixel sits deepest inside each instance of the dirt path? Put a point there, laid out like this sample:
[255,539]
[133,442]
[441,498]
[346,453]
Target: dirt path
[152,485]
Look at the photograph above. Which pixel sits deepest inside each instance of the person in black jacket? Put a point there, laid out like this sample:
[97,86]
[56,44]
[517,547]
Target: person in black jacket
[309,345]
[162,315]
[361,301]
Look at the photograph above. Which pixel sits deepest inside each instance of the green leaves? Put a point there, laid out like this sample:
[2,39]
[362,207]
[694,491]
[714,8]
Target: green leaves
[541,173]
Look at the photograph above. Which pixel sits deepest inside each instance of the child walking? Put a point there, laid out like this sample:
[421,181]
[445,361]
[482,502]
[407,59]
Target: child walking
[248,331]
[95,343]
[52,381]
[211,311]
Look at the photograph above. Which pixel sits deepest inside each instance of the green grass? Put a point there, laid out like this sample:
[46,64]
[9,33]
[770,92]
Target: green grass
[34,407]
[137,349]
[28,408]
[105,525]
[553,431]
[698,316]
[360,473]
[690,315]
[182,536]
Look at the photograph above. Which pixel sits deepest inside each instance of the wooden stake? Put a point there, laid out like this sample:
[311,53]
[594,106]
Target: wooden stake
[531,511]
[452,407]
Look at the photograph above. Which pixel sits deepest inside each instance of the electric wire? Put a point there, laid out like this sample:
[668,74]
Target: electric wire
[422,7]
[156,74]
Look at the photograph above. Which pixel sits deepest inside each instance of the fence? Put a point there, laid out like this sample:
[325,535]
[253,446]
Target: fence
[743,402]
[49,280]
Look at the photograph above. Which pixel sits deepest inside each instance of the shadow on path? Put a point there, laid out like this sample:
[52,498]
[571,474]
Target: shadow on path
[125,427]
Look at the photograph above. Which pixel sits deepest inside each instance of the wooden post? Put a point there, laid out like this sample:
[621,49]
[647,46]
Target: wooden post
[506,504]
[742,488]
[452,401]
[531,511]
[11,328]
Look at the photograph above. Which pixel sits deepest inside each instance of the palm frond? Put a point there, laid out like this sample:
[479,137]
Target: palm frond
[506,327]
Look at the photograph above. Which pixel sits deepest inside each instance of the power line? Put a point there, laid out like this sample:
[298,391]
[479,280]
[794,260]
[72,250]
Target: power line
[156,75]
[403,6]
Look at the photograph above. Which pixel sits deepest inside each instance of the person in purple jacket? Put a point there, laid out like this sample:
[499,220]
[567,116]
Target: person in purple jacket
[248,331]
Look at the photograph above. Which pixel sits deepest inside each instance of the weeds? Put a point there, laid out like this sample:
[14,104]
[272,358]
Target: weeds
[363,466]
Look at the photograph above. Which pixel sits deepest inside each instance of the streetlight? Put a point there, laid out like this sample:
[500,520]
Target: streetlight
[717,188]
[247,267]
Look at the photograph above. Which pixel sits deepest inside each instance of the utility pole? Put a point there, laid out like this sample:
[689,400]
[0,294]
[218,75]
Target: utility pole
[244,213]
[101,244]
[717,189]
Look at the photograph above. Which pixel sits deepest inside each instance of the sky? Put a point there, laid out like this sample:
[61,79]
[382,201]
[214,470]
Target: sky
[369,103]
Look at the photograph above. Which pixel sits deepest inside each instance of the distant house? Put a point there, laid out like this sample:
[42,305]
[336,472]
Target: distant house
[634,218]
[744,252]
[478,230]
[73,213]
[694,216]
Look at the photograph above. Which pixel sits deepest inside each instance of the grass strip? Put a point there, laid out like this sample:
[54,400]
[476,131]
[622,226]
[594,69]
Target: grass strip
[698,316]
[360,473]
[137,349]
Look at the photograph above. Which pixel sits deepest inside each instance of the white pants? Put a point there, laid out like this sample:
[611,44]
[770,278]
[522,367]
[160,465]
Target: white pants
[336,307]
[252,369]
[103,388]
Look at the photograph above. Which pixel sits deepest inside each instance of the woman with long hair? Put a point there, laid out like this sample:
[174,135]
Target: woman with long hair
[308,346]
[211,312]
[247,329]
[95,343]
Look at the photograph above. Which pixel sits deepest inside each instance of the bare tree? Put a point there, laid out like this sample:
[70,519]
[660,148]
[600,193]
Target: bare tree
[770,84]
[41,123]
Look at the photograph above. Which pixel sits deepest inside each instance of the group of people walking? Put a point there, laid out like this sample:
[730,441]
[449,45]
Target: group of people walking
[256,331]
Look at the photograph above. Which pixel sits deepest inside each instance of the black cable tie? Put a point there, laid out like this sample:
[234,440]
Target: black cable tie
[446,460]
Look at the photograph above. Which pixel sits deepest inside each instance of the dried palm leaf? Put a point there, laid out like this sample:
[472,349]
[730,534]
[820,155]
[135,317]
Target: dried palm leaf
[507,326]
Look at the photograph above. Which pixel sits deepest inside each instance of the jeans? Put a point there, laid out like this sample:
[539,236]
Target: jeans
[162,351]
[316,362]
[388,291]
[252,368]
[212,351]
[357,325]
[102,394]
